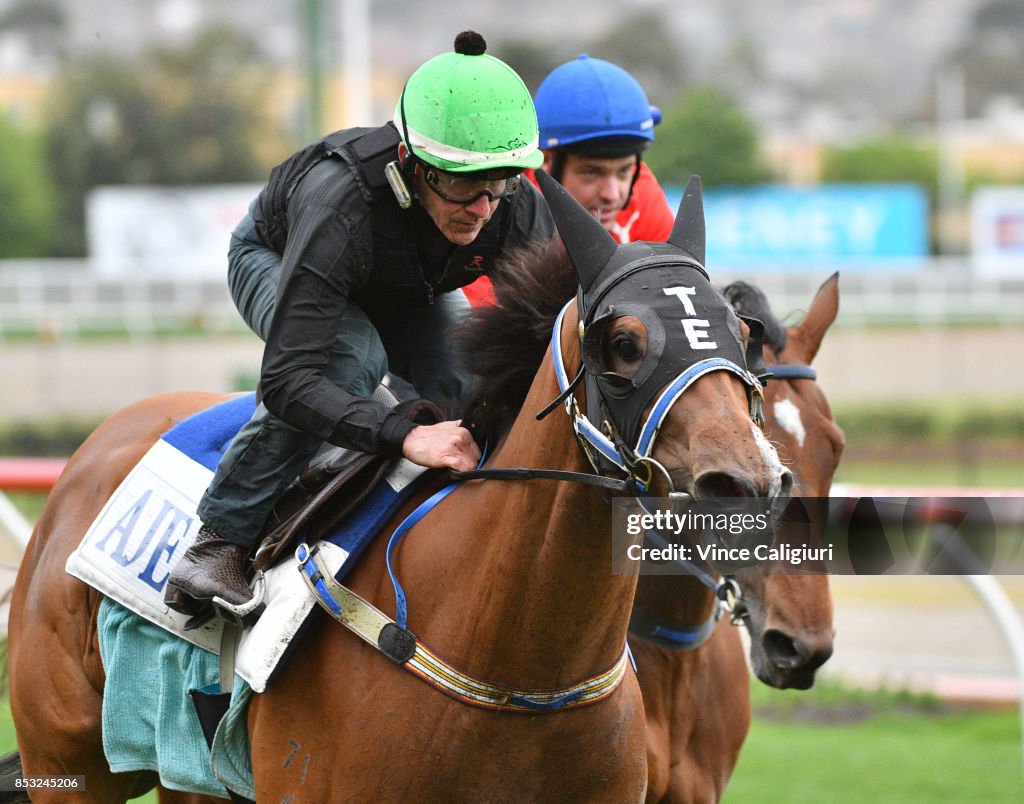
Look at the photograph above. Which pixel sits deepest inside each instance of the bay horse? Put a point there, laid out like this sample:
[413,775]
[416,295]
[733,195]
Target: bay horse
[694,681]
[695,684]
[509,582]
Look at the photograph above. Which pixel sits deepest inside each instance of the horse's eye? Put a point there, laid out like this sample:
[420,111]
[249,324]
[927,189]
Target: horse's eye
[623,346]
[626,349]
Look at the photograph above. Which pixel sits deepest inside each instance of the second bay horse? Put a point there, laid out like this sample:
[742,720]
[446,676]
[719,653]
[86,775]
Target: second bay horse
[696,693]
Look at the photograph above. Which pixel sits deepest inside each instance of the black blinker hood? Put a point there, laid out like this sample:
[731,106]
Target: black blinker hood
[665,285]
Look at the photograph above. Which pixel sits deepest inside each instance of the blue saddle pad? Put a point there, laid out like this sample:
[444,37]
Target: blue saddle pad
[205,436]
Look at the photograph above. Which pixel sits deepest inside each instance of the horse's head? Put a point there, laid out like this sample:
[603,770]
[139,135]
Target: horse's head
[789,617]
[668,392]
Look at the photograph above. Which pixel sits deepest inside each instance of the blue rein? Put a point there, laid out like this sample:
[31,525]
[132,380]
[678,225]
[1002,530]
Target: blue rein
[401,606]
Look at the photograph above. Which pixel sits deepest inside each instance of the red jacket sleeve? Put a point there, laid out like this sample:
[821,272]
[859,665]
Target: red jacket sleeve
[480,293]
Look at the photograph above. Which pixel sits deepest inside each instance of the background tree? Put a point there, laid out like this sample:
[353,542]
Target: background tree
[638,41]
[533,62]
[26,194]
[893,158]
[193,115]
[705,132]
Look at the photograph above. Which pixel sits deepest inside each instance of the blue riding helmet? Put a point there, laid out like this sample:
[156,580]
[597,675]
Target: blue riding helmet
[592,99]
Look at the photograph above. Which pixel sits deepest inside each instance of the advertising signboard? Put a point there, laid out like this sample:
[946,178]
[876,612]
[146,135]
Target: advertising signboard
[863,226]
[997,231]
[172,232]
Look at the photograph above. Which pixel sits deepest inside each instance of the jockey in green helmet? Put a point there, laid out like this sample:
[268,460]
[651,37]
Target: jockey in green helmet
[350,263]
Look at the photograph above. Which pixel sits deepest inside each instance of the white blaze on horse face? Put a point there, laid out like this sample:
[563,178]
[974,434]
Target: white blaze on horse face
[771,460]
[695,328]
[787,416]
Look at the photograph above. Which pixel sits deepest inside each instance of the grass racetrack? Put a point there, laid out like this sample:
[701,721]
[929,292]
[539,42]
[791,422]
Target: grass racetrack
[831,745]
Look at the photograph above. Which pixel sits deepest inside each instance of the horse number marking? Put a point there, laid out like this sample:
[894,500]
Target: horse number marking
[696,329]
[296,747]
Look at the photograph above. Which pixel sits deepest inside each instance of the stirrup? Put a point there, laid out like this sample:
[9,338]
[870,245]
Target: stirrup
[243,614]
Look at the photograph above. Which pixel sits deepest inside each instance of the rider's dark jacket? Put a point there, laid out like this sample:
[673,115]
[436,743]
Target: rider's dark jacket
[342,236]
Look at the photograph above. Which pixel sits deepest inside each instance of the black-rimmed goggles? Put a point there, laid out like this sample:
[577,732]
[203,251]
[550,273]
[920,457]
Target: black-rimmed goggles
[465,188]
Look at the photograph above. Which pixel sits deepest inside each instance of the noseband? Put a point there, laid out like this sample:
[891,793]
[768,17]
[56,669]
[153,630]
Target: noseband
[791,371]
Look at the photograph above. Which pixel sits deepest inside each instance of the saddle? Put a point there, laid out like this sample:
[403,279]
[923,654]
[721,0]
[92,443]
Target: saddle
[334,482]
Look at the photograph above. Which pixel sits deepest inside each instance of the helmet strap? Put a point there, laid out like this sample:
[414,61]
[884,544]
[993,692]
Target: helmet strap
[407,165]
[557,165]
[405,131]
[636,175]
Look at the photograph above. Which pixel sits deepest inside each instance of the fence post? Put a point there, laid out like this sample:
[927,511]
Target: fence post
[12,524]
[995,599]
[1009,623]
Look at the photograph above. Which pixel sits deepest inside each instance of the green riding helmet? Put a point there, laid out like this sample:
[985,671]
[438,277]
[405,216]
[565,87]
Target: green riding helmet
[466,111]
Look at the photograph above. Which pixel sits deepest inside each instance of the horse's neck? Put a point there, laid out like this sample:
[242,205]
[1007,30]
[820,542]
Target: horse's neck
[679,599]
[552,543]
[577,517]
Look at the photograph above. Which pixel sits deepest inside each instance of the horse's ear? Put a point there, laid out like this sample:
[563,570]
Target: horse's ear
[588,244]
[805,338]
[688,230]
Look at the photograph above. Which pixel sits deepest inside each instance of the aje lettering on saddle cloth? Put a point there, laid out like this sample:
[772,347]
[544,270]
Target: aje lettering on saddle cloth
[150,520]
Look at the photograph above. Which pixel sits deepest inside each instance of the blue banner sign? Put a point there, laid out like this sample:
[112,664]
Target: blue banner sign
[793,227]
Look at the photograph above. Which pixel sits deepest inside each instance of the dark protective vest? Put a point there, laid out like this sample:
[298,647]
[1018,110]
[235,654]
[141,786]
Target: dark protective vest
[398,275]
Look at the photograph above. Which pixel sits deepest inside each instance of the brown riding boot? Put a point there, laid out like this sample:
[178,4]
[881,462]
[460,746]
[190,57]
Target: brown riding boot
[212,566]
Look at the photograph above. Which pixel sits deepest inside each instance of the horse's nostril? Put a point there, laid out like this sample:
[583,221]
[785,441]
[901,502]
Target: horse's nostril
[783,650]
[722,484]
[819,657]
[790,653]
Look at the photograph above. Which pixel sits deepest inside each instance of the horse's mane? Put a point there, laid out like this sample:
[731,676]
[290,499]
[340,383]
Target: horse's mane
[502,346]
[749,300]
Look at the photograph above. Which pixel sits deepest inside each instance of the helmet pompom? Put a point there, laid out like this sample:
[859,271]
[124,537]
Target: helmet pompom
[470,43]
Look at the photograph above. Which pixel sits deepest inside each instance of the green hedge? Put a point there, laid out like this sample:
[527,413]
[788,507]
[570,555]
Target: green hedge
[937,423]
[863,425]
[51,439]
